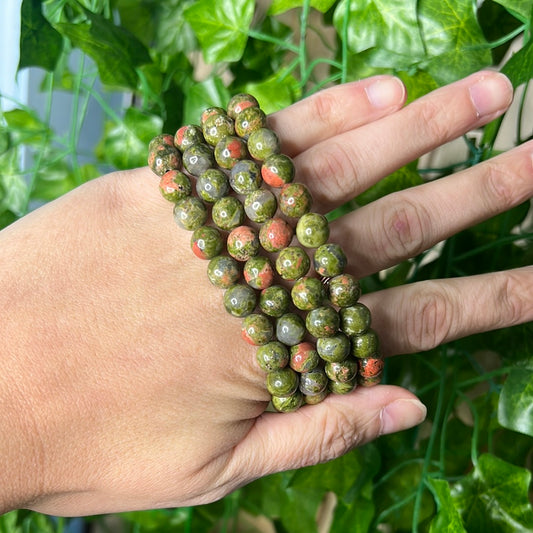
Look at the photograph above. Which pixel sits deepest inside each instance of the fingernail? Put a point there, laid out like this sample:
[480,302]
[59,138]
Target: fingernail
[491,94]
[385,92]
[402,414]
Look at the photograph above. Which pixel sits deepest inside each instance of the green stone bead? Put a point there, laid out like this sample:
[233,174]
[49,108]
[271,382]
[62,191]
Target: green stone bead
[212,185]
[260,205]
[337,387]
[190,213]
[355,319]
[245,177]
[287,404]
[344,290]
[283,382]
[206,242]
[164,157]
[290,329]
[228,213]
[366,344]
[334,349]
[223,271]
[240,300]
[187,136]
[209,112]
[322,322]
[165,139]
[277,170]
[229,151]
[303,357]
[216,127]
[292,263]
[295,200]
[275,234]
[262,143]
[259,272]
[198,158]
[240,102]
[257,329]
[370,367]
[274,301]
[175,185]
[243,243]
[329,260]
[369,381]
[314,399]
[343,371]
[313,382]
[249,120]
[273,355]
[312,230]
[308,293]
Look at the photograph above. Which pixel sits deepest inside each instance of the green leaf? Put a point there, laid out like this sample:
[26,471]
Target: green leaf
[40,43]
[448,519]
[211,92]
[25,127]
[520,8]
[299,509]
[519,67]
[276,92]
[515,408]
[221,27]
[494,497]
[280,6]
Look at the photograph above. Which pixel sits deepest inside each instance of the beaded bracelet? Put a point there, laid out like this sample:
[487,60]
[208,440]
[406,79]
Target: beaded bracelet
[313,336]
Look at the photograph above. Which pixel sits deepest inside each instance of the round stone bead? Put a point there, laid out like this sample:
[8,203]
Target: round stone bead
[209,112]
[262,143]
[240,300]
[368,382]
[175,185]
[198,158]
[329,260]
[206,242]
[187,136]
[260,205]
[338,387]
[274,301]
[370,367]
[303,357]
[277,170]
[290,329]
[243,243]
[249,120]
[228,213]
[307,293]
[322,322]
[229,151]
[190,213]
[259,272]
[365,345]
[355,319]
[212,185]
[273,355]
[343,371]
[295,200]
[245,177]
[223,271]
[164,157]
[287,404]
[333,349]
[161,139]
[275,234]
[292,263]
[344,290]
[313,382]
[314,399]
[312,230]
[257,329]
[216,127]
[283,382]
[239,102]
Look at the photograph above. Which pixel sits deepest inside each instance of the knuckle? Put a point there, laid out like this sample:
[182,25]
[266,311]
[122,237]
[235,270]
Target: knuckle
[323,109]
[339,435]
[511,299]
[429,118]
[500,188]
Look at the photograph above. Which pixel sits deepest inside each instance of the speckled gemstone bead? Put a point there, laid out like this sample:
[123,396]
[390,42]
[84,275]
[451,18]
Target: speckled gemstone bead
[206,242]
[273,355]
[295,200]
[223,271]
[198,158]
[240,300]
[162,139]
[369,382]
[259,272]
[216,127]
[249,120]
[344,290]
[175,185]
[337,387]
[239,102]
[366,344]
[287,404]
[283,382]
[260,205]
[312,230]
[314,399]
[277,170]
[245,177]
[243,243]
[229,151]
[343,371]
[274,301]
[355,319]
[313,382]
[303,357]
[290,329]
[292,263]
[190,213]
[187,136]
[257,329]
[212,185]
[262,143]
[228,213]
[209,112]
[307,293]
[370,367]
[164,157]
[333,349]
[329,260]
[322,322]
[275,234]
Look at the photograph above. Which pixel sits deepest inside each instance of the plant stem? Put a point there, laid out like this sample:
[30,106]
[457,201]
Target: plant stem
[260,36]
[302,48]
[344,44]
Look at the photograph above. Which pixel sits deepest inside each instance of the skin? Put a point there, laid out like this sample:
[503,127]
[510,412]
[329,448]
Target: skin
[124,384]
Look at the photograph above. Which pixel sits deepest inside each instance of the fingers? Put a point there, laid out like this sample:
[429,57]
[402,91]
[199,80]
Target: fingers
[408,222]
[423,315]
[341,167]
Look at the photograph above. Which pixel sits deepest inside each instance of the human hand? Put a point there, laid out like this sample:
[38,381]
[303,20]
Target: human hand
[132,388]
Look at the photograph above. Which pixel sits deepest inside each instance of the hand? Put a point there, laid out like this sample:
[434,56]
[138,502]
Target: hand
[125,385]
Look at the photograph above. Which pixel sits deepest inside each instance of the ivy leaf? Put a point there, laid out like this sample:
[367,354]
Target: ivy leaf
[448,519]
[221,27]
[211,92]
[280,6]
[519,8]
[515,408]
[494,497]
[276,92]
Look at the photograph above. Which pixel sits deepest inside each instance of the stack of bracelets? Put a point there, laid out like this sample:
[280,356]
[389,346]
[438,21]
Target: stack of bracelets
[313,338]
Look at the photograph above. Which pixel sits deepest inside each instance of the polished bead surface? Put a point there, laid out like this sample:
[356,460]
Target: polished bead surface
[290,329]
[344,290]
[161,139]
[198,158]
[322,322]
[312,230]
[313,382]
[259,272]
[206,242]
[187,136]
[257,329]
[295,200]
[262,143]
[228,213]
[229,151]
[370,381]
[243,243]
[212,185]
[190,213]
[335,348]
[223,271]
[163,157]
[239,102]
[370,367]
[314,399]
[366,344]
[277,170]
[275,234]
[355,319]
[329,260]
[307,293]
[274,301]
[343,371]
[292,263]
[273,355]
[216,127]
[304,357]
[249,120]
[240,300]
[287,404]
[245,177]
[338,387]
[209,112]
[283,382]
[260,205]
[175,185]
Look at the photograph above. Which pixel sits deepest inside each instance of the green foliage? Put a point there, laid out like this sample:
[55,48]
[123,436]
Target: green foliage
[466,468]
